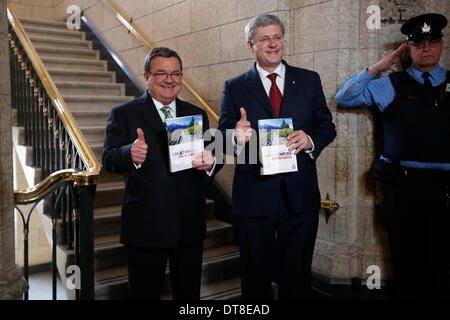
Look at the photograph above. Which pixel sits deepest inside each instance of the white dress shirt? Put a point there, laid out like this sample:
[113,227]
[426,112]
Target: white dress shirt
[159,106]
[267,83]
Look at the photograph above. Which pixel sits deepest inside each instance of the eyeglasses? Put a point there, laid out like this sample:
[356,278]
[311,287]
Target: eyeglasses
[160,76]
[433,43]
[266,40]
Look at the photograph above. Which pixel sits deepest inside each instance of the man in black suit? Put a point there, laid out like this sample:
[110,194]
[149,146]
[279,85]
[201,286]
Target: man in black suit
[163,213]
[276,217]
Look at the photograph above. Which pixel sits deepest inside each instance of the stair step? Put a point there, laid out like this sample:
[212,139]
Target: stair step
[229,289]
[60,43]
[19,137]
[109,177]
[108,252]
[67,53]
[90,117]
[107,221]
[111,274]
[90,88]
[108,194]
[95,102]
[97,148]
[106,212]
[28,22]
[219,233]
[210,209]
[74,64]
[211,255]
[56,33]
[93,134]
[111,240]
[82,75]
[220,264]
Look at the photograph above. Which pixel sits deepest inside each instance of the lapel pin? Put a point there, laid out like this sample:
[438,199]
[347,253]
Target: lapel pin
[448,88]
[293,82]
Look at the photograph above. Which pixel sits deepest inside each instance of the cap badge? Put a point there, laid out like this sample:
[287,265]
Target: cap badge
[426,28]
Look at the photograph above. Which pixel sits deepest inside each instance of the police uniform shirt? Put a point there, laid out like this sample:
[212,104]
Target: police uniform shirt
[363,88]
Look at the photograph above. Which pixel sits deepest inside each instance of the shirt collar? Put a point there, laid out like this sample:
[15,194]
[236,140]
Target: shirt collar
[436,73]
[159,105]
[280,71]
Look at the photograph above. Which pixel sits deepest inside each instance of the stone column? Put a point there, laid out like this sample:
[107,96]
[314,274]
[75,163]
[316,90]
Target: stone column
[12,284]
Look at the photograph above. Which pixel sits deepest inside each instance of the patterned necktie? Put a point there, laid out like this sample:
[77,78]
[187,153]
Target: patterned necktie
[428,92]
[275,95]
[166,111]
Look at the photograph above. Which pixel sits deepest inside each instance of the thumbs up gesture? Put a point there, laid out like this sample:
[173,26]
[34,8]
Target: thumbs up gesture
[139,148]
[243,130]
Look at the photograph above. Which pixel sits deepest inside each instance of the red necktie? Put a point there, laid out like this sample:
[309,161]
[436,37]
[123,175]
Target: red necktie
[275,95]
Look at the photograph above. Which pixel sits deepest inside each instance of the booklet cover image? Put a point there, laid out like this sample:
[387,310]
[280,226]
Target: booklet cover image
[185,138]
[274,154]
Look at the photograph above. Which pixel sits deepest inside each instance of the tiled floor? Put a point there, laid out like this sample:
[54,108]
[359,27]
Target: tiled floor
[41,287]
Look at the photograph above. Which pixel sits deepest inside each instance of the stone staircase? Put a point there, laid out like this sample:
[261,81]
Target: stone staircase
[90,91]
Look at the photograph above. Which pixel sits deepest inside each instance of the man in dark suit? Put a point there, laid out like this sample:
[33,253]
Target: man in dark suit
[276,217]
[163,213]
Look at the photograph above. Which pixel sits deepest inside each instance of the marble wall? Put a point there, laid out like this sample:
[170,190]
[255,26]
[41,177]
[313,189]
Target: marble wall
[39,9]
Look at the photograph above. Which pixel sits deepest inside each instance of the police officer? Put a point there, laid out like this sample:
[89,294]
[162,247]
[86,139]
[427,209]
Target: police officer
[415,165]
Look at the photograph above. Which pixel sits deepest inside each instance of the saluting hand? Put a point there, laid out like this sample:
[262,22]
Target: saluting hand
[243,130]
[139,148]
[386,63]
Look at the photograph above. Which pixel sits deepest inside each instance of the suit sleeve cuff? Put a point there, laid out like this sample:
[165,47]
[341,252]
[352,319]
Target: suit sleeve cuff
[310,151]
[137,166]
[237,147]
[210,173]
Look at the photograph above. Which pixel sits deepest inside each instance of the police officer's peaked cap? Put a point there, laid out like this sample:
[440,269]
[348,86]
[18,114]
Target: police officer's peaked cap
[425,26]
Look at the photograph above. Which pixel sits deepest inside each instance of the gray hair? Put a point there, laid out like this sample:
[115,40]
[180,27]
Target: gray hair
[160,52]
[263,20]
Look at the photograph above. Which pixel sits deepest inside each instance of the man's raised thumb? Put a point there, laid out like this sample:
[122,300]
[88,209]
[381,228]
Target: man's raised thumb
[140,134]
[243,114]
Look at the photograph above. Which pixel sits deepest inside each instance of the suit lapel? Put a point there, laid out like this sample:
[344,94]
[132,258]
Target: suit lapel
[256,88]
[155,126]
[150,113]
[289,88]
[292,96]
[181,111]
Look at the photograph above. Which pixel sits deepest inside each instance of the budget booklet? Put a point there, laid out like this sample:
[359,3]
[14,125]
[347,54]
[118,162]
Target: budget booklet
[185,137]
[274,154]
